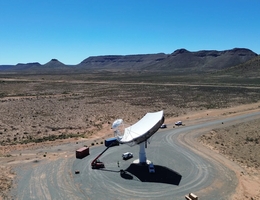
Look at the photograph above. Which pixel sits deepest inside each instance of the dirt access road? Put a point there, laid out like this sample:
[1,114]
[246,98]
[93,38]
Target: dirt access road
[248,184]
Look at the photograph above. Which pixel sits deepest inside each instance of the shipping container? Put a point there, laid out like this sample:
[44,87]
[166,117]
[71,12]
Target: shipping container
[82,152]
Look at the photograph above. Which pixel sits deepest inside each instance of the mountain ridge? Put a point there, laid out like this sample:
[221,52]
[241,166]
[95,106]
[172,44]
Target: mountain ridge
[180,59]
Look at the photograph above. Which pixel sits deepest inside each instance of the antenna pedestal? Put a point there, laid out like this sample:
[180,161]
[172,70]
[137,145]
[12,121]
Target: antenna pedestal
[142,154]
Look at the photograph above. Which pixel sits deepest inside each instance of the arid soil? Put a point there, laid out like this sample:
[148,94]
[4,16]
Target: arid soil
[234,142]
[37,121]
[240,144]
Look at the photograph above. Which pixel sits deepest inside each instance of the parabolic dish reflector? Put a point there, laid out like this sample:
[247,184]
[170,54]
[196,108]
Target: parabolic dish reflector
[117,123]
[143,129]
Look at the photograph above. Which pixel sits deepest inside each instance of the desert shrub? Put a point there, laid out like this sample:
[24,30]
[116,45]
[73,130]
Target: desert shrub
[249,139]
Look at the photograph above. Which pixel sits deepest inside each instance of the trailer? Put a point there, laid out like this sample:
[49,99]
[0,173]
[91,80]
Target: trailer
[82,152]
[111,142]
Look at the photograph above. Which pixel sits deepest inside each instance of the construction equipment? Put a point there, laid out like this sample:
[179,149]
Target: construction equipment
[96,163]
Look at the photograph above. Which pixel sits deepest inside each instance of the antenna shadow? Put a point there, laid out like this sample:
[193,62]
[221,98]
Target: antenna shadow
[162,174]
[123,173]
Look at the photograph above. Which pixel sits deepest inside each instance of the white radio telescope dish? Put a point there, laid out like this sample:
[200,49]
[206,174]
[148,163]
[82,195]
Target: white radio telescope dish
[143,129]
[140,132]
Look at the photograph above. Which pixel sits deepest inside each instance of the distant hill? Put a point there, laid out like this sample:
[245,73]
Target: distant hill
[180,60]
[27,66]
[117,62]
[249,68]
[53,66]
[183,60]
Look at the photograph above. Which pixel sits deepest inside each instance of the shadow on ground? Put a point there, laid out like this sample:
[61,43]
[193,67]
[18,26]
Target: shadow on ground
[123,173]
[162,174]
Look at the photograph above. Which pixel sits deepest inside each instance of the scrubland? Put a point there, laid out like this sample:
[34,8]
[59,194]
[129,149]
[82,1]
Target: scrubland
[41,109]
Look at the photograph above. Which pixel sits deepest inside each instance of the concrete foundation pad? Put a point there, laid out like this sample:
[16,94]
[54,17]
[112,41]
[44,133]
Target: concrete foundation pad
[137,161]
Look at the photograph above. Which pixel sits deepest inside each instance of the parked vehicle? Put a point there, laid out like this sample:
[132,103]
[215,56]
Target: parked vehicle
[127,155]
[178,123]
[163,126]
[151,168]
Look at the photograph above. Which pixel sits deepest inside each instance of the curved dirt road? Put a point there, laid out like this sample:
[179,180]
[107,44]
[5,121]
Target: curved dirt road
[180,168]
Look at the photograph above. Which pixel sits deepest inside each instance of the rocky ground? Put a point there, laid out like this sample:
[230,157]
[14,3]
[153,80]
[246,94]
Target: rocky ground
[38,120]
[240,144]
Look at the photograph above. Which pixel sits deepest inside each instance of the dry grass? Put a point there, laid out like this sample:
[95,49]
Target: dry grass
[6,180]
[50,109]
[239,143]
[36,109]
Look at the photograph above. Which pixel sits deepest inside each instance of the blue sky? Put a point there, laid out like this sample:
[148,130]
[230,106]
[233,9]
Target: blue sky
[72,30]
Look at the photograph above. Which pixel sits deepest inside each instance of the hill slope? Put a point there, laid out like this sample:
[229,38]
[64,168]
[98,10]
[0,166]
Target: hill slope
[183,60]
[250,68]
[179,60]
